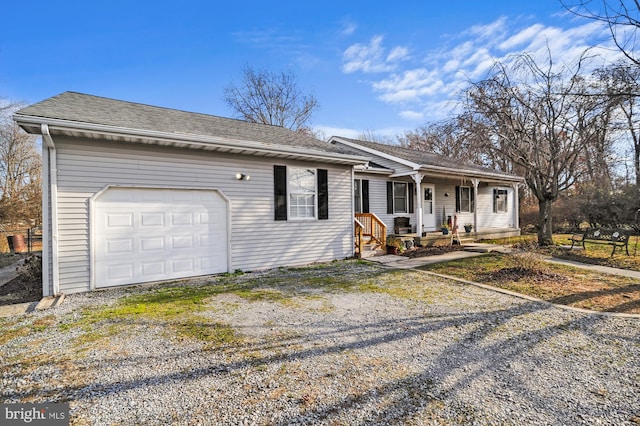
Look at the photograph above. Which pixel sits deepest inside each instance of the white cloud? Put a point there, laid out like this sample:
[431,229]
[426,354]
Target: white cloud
[348,28]
[522,37]
[398,54]
[428,85]
[412,115]
[408,86]
[371,57]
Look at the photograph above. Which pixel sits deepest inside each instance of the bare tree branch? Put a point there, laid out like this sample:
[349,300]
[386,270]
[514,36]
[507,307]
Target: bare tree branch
[270,98]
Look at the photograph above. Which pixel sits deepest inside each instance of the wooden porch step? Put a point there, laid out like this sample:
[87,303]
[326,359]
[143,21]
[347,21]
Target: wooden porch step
[370,250]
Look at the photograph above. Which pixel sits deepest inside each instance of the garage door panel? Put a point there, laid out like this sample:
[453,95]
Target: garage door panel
[147,234]
[121,272]
[151,244]
[119,246]
[153,269]
[119,220]
[181,218]
[149,219]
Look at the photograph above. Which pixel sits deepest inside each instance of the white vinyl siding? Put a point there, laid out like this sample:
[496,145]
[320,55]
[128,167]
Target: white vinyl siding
[87,166]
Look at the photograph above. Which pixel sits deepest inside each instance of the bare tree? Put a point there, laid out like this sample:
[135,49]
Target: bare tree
[621,16]
[452,139]
[539,118]
[621,83]
[20,175]
[270,98]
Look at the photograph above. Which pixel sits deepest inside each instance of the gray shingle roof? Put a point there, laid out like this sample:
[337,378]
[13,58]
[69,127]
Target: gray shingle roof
[82,108]
[424,158]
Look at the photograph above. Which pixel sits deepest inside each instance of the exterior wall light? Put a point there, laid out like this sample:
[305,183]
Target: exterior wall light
[240,176]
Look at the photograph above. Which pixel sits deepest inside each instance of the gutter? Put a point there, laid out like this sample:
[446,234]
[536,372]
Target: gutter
[50,199]
[193,140]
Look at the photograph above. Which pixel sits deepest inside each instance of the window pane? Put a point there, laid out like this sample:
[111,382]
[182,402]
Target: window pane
[302,193]
[357,198]
[302,180]
[501,201]
[465,199]
[399,197]
[302,206]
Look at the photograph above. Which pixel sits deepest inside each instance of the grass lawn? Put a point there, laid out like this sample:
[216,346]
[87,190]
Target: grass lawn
[528,274]
[596,254]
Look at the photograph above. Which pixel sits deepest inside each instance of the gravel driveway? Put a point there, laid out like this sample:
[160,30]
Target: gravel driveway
[402,347]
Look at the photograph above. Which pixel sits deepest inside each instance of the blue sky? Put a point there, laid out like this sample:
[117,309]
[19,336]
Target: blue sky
[381,68]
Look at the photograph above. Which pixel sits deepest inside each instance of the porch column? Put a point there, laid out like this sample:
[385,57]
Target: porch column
[418,179]
[475,183]
[516,206]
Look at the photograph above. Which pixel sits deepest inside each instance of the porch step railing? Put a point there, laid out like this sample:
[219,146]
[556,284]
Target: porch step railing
[359,231]
[369,225]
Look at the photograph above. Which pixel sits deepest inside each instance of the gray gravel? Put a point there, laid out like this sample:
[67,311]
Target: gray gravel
[457,355]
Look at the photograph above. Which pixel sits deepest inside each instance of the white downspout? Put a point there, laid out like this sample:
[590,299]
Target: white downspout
[417,178]
[475,201]
[516,206]
[53,203]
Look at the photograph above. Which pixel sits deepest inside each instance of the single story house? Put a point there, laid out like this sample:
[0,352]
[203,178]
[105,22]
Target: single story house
[135,193]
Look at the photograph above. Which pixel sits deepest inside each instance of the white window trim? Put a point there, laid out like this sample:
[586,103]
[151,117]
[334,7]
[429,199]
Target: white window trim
[469,209]
[290,216]
[406,197]
[506,196]
[357,183]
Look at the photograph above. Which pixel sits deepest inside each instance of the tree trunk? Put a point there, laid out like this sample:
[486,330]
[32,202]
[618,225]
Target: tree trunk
[545,234]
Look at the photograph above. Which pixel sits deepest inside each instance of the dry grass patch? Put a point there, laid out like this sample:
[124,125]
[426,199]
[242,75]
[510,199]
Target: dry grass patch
[530,275]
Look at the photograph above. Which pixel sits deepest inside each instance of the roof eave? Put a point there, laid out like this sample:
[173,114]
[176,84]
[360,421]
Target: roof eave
[470,173]
[372,151]
[32,124]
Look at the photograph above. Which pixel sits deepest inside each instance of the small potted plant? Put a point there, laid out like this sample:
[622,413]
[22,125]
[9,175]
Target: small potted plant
[395,246]
[468,227]
[444,228]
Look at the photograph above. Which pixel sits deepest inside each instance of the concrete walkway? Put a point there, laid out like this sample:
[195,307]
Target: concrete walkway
[473,250]
[596,268]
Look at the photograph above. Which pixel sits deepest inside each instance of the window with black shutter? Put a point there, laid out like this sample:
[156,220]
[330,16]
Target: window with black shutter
[280,192]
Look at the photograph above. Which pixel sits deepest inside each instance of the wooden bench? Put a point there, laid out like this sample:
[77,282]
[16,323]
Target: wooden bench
[401,225]
[614,237]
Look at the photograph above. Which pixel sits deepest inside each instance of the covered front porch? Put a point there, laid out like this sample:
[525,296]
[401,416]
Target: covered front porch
[437,238]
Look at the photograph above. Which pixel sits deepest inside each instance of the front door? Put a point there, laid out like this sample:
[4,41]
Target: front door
[428,207]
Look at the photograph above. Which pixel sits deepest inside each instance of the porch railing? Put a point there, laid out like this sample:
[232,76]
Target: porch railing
[372,227]
[358,231]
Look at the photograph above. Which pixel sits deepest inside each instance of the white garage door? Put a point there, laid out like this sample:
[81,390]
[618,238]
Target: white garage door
[143,234]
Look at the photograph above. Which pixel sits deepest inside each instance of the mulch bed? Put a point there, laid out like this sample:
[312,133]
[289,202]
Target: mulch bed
[430,251]
[518,273]
[20,290]
[27,286]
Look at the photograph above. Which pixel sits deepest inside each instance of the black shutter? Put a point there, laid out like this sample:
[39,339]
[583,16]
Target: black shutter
[389,197]
[365,196]
[472,196]
[495,203]
[280,191]
[410,197]
[457,199]
[323,195]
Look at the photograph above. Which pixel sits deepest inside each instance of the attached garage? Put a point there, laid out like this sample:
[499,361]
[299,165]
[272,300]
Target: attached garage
[150,234]
[136,193]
